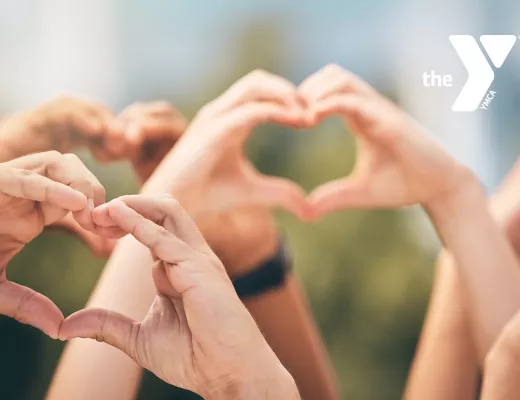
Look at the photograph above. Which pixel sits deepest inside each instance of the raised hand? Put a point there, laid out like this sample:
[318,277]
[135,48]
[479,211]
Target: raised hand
[197,334]
[208,165]
[151,130]
[398,163]
[64,124]
[36,191]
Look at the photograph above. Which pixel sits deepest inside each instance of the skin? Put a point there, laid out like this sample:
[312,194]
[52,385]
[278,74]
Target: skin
[197,334]
[142,132]
[240,230]
[502,365]
[398,164]
[63,124]
[446,364]
[36,191]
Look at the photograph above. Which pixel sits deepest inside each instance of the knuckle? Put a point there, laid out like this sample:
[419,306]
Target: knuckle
[206,110]
[258,74]
[163,105]
[71,157]
[53,156]
[333,68]
[172,205]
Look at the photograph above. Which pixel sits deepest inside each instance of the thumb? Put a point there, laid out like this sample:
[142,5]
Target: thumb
[337,195]
[30,307]
[105,326]
[280,192]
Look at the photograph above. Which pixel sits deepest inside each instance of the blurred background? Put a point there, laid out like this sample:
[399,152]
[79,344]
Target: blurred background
[367,273]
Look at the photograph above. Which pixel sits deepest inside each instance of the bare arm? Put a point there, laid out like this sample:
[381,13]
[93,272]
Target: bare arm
[445,365]
[91,367]
[91,370]
[487,263]
[502,366]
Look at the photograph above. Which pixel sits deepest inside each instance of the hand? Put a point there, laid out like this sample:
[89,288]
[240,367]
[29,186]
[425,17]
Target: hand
[208,169]
[197,334]
[36,191]
[151,131]
[64,124]
[397,164]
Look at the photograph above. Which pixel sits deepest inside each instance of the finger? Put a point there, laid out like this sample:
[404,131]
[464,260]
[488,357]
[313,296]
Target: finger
[280,192]
[163,244]
[72,172]
[162,282]
[155,128]
[361,113]
[29,307]
[248,116]
[332,80]
[67,169]
[175,219]
[105,326]
[116,141]
[32,186]
[259,86]
[338,195]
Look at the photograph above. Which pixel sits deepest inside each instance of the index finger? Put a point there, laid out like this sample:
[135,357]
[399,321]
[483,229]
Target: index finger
[29,185]
[259,86]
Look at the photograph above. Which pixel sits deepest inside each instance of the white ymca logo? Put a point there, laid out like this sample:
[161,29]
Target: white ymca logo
[480,73]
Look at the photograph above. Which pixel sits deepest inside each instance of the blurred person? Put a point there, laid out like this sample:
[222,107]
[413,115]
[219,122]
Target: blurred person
[230,202]
[36,191]
[446,364]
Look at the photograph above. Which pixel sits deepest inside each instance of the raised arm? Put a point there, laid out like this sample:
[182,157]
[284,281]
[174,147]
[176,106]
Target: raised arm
[445,365]
[399,164]
[230,201]
[197,334]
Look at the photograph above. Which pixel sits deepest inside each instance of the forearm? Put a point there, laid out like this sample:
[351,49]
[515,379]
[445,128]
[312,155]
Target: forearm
[502,367]
[445,365]
[487,264]
[91,370]
[285,320]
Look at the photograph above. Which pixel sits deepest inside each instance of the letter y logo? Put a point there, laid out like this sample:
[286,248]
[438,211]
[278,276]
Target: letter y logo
[480,73]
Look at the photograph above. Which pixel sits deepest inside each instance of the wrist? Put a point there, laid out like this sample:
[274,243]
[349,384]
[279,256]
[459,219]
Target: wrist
[465,196]
[279,384]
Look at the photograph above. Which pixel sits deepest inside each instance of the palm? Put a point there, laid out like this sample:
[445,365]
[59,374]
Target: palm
[386,176]
[397,165]
[165,336]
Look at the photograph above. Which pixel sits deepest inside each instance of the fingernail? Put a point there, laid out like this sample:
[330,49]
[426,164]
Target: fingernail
[90,204]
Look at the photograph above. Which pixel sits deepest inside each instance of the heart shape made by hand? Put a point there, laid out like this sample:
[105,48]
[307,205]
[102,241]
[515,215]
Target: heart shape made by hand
[207,170]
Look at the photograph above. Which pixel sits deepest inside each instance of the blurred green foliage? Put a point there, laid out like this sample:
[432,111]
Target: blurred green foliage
[367,273]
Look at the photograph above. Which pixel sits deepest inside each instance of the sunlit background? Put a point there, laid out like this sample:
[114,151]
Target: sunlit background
[367,273]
